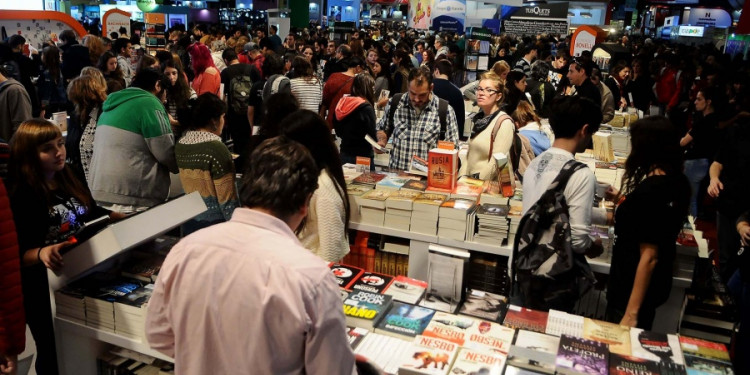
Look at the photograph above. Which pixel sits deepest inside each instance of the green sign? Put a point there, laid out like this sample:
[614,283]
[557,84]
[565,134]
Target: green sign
[479,33]
[146,5]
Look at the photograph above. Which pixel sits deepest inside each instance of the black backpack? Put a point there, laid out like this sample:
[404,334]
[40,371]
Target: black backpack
[543,249]
[239,93]
[442,113]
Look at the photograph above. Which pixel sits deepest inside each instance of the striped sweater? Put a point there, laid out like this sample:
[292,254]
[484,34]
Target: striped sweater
[206,166]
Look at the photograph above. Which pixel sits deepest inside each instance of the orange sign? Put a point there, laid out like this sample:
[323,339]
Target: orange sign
[584,39]
[44,15]
[114,19]
[446,145]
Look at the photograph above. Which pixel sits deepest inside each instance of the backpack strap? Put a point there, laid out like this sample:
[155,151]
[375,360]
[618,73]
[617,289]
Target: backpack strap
[496,129]
[395,101]
[443,115]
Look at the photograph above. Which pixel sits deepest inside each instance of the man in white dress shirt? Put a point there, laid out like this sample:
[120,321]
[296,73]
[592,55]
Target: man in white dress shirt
[244,297]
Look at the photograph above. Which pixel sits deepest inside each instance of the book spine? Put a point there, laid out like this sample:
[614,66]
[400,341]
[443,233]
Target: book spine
[378,261]
[370,259]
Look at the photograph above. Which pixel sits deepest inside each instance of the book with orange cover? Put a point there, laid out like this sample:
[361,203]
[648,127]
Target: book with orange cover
[442,168]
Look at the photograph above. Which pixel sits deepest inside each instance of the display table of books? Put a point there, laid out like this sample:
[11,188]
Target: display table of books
[99,297]
[405,333]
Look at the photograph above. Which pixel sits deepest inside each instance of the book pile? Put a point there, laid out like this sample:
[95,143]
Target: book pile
[130,313]
[484,305]
[617,337]
[398,209]
[372,207]
[488,272]
[415,185]
[514,219]
[561,323]
[661,348]
[534,351]
[124,361]
[621,141]
[578,356]
[492,225]
[365,309]
[355,192]
[523,318]
[103,290]
[468,188]
[705,357]
[492,195]
[385,351]
[425,213]
[368,179]
[406,289]
[452,218]
[143,266]
[70,304]
[392,183]
[609,173]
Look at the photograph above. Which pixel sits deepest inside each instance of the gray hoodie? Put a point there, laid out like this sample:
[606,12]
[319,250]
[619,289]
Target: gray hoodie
[15,107]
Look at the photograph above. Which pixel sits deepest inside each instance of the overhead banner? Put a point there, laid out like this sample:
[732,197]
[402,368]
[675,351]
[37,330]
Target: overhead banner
[420,12]
[709,17]
[448,15]
[533,20]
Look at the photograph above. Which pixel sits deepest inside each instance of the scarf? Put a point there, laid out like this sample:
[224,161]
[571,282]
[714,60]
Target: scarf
[481,122]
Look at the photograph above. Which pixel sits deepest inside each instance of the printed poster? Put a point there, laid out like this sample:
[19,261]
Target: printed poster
[420,14]
[448,15]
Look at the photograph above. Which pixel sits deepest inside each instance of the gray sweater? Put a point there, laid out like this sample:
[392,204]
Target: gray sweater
[15,107]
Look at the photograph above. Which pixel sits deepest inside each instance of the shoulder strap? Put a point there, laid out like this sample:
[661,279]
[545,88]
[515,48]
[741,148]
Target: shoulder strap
[443,115]
[571,167]
[495,129]
[395,100]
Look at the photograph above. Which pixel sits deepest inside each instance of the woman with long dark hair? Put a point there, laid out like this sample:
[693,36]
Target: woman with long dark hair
[306,86]
[653,207]
[51,85]
[401,67]
[50,203]
[516,86]
[618,78]
[354,118]
[179,93]
[383,81]
[701,143]
[110,69]
[325,230]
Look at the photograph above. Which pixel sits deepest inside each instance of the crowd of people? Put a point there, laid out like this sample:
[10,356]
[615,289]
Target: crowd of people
[135,118]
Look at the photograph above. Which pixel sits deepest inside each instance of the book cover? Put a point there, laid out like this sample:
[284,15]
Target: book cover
[372,282]
[615,335]
[485,305]
[489,336]
[523,318]
[627,365]
[494,210]
[697,365]
[402,199]
[704,348]
[560,322]
[365,309]
[137,298]
[469,361]
[534,351]
[428,355]
[406,289]
[375,198]
[442,168]
[391,183]
[369,178]
[655,346]
[579,356]
[416,185]
[345,275]
[405,320]
[143,266]
[454,328]
[355,336]
[429,199]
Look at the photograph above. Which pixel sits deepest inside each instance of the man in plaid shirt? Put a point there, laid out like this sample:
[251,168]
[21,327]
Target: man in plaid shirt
[416,122]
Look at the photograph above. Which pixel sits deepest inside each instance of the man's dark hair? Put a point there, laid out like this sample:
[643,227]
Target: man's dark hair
[146,79]
[4,72]
[280,178]
[113,35]
[67,36]
[568,114]
[202,28]
[123,30]
[16,40]
[421,75]
[531,47]
[229,55]
[274,28]
[345,51]
[206,108]
[272,65]
[443,66]
[355,61]
[584,65]
[119,44]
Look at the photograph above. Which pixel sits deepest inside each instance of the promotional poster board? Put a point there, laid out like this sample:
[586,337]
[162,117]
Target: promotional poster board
[585,38]
[541,18]
[37,26]
[448,15]
[114,19]
[420,14]
[709,17]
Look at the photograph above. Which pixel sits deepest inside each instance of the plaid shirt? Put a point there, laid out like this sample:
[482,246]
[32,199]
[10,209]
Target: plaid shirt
[414,135]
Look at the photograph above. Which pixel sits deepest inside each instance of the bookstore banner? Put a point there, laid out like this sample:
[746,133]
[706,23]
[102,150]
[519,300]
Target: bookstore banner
[420,14]
[448,15]
[542,18]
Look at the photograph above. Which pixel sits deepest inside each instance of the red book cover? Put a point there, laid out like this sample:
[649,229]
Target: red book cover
[442,168]
[372,282]
[523,318]
[345,275]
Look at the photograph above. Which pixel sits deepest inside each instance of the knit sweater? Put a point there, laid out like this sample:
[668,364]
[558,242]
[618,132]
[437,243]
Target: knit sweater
[479,148]
[206,166]
[324,232]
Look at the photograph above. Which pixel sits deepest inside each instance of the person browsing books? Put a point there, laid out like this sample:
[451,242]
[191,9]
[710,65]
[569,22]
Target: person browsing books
[244,297]
[415,123]
[355,118]
[492,131]
[324,231]
[49,205]
[654,205]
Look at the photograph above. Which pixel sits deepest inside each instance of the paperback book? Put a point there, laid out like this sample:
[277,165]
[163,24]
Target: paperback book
[579,356]
[627,365]
[428,355]
[355,335]
[345,275]
[406,289]
[470,361]
[442,168]
[615,335]
[372,282]
[405,320]
[655,346]
[534,351]
[484,305]
[454,328]
[523,318]
[385,351]
[489,336]
[365,309]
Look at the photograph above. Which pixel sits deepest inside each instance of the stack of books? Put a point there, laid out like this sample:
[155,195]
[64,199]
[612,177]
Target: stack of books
[514,218]
[534,351]
[372,207]
[398,209]
[468,188]
[407,290]
[452,218]
[383,350]
[492,226]
[425,213]
[562,323]
[703,356]
[69,303]
[391,183]
[355,192]
[130,313]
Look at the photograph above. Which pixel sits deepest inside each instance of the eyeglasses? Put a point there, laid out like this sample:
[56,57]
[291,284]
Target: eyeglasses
[488,91]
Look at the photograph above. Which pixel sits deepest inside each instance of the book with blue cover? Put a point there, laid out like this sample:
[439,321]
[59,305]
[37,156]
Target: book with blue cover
[365,309]
[404,320]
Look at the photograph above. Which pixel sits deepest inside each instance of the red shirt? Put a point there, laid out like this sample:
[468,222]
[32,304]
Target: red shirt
[338,85]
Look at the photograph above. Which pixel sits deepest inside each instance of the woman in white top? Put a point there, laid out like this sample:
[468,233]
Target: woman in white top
[307,88]
[327,222]
[479,161]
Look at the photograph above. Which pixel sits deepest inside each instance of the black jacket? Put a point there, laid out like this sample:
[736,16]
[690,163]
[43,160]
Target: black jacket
[75,57]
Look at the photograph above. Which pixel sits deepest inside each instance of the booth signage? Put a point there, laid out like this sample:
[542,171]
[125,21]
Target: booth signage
[709,17]
[558,11]
[694,31]
[146,5]
[478,33]
[533,27]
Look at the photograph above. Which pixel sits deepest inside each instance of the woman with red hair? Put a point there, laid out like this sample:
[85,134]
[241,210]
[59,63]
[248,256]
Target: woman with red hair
[207,77]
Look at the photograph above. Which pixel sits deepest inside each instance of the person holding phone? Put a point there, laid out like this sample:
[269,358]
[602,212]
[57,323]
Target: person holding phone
[50,203]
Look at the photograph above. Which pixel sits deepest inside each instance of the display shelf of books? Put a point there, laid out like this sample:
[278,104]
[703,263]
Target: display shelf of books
[155,32]
[99,298]
[477,52]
